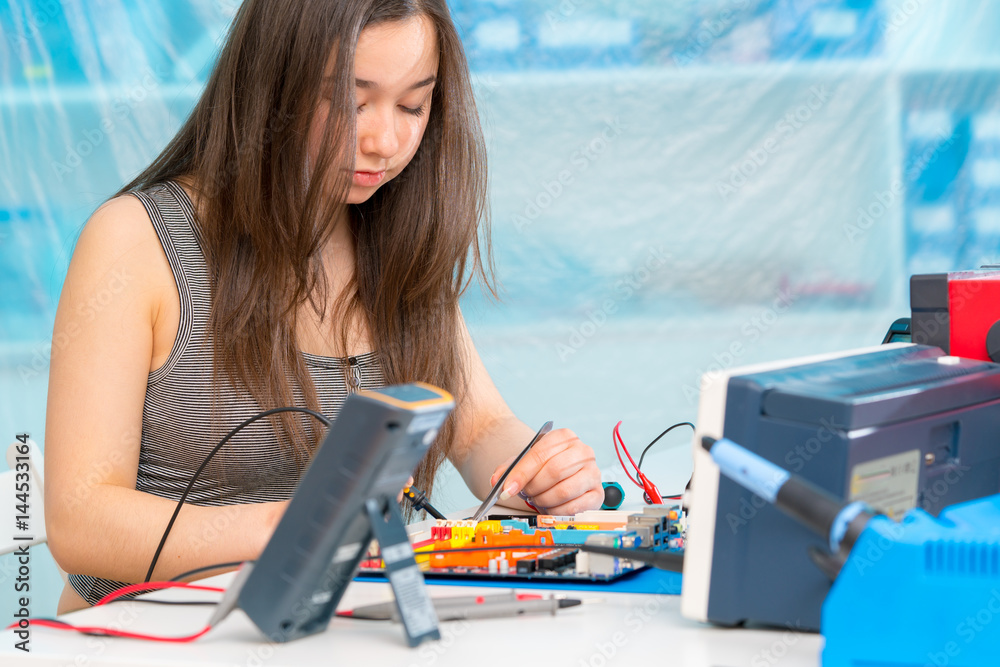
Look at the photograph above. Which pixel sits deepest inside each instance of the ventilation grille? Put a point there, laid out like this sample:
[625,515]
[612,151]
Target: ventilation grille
[972,559]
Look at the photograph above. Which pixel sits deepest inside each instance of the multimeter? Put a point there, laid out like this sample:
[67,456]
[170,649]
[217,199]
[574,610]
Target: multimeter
[345,498]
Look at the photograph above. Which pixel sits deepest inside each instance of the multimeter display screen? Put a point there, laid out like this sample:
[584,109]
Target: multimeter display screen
[409,393]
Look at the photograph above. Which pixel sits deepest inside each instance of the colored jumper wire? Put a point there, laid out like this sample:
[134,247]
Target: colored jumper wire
[651,494]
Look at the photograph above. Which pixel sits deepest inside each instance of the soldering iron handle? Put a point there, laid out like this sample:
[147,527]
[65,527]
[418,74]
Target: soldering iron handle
[813,507]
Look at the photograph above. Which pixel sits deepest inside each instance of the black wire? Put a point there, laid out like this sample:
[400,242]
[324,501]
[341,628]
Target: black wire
[180,503]
[643,455]
[207,568]
[178,602]
[69,625]
[180,576]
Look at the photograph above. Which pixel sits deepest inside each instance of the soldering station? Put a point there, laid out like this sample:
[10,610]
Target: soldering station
[853,494]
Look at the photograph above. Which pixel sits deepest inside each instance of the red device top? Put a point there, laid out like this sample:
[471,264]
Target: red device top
[973,307]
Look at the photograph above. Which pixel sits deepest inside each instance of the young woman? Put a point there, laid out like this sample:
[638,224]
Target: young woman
[306,234]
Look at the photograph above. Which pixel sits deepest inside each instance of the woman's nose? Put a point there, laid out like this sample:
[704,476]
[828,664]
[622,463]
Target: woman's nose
[377,133]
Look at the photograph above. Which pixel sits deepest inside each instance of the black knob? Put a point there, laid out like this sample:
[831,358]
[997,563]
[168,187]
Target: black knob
[993,342]
[614,496]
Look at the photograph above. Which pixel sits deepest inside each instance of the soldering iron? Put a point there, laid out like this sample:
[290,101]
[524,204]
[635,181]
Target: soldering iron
[921,591]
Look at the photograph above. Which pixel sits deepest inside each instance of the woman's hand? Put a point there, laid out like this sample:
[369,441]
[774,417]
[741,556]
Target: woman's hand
[409,483]
[559,475]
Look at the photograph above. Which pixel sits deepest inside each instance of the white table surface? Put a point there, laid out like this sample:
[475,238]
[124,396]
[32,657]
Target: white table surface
[631,630]
[614,629]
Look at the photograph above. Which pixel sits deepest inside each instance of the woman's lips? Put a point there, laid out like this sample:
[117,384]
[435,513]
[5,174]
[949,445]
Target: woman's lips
[368,178]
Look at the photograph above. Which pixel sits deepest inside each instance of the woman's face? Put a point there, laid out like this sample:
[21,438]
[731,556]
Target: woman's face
[395,66]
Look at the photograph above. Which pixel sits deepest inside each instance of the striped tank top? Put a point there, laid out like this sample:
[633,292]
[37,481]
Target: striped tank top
[251,467]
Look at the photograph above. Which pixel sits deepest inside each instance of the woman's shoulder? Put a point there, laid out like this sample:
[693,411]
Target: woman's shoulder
[119,229]
[119,237]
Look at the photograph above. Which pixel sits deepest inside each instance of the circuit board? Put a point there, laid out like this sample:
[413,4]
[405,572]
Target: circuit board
[511,547]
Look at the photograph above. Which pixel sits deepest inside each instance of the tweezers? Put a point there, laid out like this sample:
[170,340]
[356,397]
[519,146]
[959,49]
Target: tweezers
[497,489]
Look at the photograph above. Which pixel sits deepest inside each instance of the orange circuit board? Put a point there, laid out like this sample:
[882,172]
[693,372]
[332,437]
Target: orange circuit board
[542,546]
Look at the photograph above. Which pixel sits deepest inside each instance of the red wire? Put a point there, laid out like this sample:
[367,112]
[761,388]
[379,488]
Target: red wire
[531,505]
[645,484]
[631,460]
[110,632]
[616,437]
[125,590]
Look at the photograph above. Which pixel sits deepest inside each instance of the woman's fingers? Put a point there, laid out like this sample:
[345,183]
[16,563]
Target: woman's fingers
[409,483]
[571,495]
[551,445]
[591,500]
[560,471]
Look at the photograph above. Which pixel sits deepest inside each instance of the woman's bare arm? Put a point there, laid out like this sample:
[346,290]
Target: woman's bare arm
[560,472]
[97,523]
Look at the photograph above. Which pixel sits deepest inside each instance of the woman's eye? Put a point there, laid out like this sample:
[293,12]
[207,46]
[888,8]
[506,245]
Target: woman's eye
[418,111]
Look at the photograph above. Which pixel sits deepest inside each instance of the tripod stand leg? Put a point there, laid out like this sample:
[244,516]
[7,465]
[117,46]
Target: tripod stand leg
[412,601]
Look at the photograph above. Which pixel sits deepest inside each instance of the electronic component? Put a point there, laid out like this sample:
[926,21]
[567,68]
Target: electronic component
[653,527]
[614,495]
[556,559]
[896,426]
[600,565]
[467,549]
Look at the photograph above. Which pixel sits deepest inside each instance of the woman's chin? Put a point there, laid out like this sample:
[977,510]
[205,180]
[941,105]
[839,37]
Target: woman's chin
[359,195]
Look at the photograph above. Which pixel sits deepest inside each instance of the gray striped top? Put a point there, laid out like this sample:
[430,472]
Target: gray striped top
[175,439]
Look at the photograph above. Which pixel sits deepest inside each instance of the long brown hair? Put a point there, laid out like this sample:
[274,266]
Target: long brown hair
[264,216]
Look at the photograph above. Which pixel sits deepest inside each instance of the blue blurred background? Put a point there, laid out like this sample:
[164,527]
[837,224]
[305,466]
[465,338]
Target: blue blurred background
[677,186]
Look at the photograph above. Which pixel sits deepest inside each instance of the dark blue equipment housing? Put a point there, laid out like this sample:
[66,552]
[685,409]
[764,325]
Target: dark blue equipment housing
[898,428]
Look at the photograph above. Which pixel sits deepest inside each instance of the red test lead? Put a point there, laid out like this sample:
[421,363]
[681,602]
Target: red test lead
[651,494]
